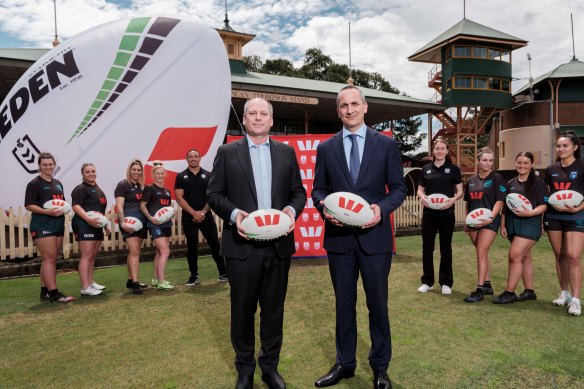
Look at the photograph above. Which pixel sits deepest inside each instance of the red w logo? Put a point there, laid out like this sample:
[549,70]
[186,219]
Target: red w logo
[476,195]
[440,200]
[138,196]
[102,200]
[165,201]
[563,196]
[59,196]
[130,221]
[524,199]
[350,205]
[562,185]
[477,213]
[57,202]
[267,220]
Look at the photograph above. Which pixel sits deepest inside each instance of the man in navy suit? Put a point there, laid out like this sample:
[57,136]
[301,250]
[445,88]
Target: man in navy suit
[359,160]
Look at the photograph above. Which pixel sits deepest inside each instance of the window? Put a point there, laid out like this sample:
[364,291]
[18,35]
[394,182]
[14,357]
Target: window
[462,51]
[505,56]
[494,83]
[494,54]
[506,86]
[479,83]
[230,49]
[479,52]
[491,53]
[462,82]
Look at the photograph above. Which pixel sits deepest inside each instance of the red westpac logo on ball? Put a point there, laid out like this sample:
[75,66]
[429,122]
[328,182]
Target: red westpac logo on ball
[350,205]
[267,220]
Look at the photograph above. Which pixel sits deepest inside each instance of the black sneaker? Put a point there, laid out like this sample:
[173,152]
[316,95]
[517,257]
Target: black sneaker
[487,289]
[505,298]
[137,288]
[44,295]
[130,284]
[193,280]
[223,278]
[61,298]
[527,295]
[475,296]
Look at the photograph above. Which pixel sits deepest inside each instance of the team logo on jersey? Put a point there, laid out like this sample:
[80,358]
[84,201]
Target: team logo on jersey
[488,184]
[138,196]
[447,170]
[562,185]
[102,200]
[502,188]
[164,201]
[476,195]
[428,171]
[573,175]
[203,175]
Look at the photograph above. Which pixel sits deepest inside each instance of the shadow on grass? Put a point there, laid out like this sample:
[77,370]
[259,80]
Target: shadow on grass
[405,258]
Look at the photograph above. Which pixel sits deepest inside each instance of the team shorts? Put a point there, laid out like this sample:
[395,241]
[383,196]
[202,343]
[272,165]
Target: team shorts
[524,236]
[494,226]
[160,232]
[87,233]
[563,225]
[38,234]
[142,234]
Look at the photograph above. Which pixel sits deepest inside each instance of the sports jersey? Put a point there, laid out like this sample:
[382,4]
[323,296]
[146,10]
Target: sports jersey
[132,194]
[156,198]
[563,178]
[38,192]
[526,226]
[484,192]
[195,188]
[90,198]
[442,180]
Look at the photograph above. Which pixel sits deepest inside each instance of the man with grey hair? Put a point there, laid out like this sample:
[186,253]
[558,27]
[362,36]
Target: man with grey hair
[254,173]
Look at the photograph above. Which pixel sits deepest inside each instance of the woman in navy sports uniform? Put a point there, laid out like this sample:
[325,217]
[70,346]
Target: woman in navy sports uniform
[155,197]
[440,176]
[523,228]
[128,194]
[565,225]
[86,197]
[484,190]
[47,226]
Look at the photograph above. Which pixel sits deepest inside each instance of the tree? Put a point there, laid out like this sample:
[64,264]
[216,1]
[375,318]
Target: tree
[406,133]
[253,63]
[315,65]
[281,67]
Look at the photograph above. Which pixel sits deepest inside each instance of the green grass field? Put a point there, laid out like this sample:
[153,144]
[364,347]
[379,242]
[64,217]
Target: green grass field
[180,339]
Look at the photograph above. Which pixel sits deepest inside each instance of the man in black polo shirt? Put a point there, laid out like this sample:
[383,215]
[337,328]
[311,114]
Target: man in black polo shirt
[190,189]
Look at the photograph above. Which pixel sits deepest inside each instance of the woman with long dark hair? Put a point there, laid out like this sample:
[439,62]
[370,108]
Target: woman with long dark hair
[444,177]
[565,225]
[522,227]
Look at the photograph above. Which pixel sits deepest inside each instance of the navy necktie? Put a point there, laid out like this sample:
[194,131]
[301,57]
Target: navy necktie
[354,162]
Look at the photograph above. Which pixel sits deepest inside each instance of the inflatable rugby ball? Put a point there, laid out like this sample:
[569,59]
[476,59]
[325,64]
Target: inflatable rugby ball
[134,223]
[563,198]
[437,201]
[266,224]
[477,216]
[164,214]
[348,208]
[99,216]
[516,201]
[61,205]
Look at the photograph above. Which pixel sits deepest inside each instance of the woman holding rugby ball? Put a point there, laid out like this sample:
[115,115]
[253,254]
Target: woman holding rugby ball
[47,226]
[128,194]
[522,226]
[440,176]
[484,190]
[155,197]
[88,230]
[565,225]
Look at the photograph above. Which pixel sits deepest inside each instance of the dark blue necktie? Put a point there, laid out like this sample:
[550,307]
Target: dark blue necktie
[354,163]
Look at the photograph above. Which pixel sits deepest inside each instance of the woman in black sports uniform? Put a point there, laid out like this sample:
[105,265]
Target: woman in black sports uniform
[155,197]
[86,197]
[565,225]
[47,226]
[128,194]
[523,228]
[440,176]
[484,190]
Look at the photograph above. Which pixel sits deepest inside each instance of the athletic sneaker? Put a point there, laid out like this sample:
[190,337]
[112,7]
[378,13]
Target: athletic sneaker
[505,298]
[61,298]
[136,288]
[424,288]
[90,291]
[130,284]
[154,282]
[488,289]
[223,278]
[527,295]
[475,296]
[44,295]
[97,286]
[446,289]
[563,299]
[193,280]
[574,307]
[165,285]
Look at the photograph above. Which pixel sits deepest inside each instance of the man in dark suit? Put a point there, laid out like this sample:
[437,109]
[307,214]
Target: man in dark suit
[367,163]
[253,173]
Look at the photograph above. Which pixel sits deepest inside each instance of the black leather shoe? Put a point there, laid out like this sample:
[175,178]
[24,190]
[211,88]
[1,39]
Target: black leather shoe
[274,380]
[244,382]
[381,380]
[336,373]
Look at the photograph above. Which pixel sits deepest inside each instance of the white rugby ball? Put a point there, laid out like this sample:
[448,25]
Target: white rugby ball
[348,208]
[563,198]
[99,216]
[164,214]
[134,223]
[58,204]
[266,224]
[516,201]
[477,216]
[437,200]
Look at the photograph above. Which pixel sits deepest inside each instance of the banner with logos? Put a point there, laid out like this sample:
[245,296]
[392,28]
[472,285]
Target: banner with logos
[147,87]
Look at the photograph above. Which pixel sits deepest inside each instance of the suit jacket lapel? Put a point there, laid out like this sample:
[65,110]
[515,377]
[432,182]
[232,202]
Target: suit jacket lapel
[275,154]
[341,158]
[368,152]
[245,161]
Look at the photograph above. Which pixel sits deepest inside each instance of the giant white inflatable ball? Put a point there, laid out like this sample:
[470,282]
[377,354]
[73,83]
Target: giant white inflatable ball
[149,87]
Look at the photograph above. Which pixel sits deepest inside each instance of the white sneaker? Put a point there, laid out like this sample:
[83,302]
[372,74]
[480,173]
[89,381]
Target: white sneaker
[446,289]
[574,307]
[90,291]
[97,286]
[563,299]
[424,288]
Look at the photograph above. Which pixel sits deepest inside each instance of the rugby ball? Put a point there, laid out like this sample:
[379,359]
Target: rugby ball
[58,204]
[348,208]
[99,216]
[437,200]
[563,198]
[134,223]
[266,224]
[477,216]
[516,201]
[164,214]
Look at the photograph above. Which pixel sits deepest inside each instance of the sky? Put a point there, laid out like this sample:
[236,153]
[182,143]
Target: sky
[383,32]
